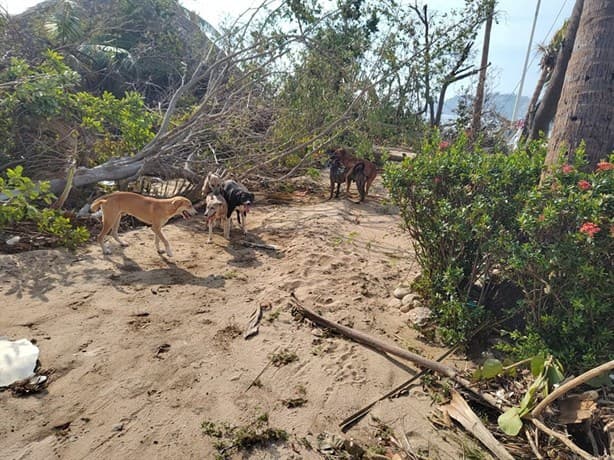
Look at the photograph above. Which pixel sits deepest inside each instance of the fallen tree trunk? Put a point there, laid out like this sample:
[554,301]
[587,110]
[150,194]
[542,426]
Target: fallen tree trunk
[116,169]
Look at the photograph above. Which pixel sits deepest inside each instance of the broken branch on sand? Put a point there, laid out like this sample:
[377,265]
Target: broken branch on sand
[380,345]
[347,423]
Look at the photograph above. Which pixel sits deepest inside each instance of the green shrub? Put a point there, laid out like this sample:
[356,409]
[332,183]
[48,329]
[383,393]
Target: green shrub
[563,260]
[27,201]
[460,205]
[470,212]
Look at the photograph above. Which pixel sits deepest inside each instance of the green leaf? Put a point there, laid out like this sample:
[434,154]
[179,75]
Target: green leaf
[537,364]
[510,421]
[601,381]
[554,375]
[491,368]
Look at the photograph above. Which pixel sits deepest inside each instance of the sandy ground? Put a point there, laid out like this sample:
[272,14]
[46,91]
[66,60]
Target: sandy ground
[144,349]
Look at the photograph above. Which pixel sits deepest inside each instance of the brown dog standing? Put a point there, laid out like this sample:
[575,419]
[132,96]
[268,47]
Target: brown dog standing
[349,161]
[153,211]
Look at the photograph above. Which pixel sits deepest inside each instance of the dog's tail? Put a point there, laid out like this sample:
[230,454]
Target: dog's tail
[97,203]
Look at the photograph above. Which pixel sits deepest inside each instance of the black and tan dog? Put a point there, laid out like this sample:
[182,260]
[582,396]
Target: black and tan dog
[358,175]
[349,161]
[338,173]
[239,199]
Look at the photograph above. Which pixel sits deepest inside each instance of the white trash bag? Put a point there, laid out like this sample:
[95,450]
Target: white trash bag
[17,360]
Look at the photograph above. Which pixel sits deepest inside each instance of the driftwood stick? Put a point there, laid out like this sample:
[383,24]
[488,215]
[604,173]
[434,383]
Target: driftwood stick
[347,423]
[266,366]
[564,439]
[378,344]
[573,383]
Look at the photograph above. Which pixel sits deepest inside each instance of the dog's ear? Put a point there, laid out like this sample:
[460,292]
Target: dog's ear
[177,201]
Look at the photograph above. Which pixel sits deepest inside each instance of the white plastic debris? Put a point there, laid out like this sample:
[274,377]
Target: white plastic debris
[13,240]
[17,360]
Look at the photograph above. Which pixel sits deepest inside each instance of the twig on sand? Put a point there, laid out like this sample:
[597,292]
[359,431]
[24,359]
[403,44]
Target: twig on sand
[378,344]
[350,421]
[266,366]
[347,423]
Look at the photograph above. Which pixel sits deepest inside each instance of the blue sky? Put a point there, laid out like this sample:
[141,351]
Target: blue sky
[509,38]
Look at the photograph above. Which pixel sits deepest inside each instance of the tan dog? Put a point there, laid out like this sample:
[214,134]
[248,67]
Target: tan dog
[349,161]
[216,212]
[213,183]
[153,211]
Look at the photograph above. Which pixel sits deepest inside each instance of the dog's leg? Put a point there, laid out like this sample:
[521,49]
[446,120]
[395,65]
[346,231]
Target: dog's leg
[332,189]
[115,230]
[360,183]
[238,211]
[210,231]
[226,224]
[160,237]
[241,217]
[107,226]
[369,182]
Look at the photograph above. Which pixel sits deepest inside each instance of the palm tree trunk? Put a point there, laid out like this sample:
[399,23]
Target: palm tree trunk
[586,109]
[547,108]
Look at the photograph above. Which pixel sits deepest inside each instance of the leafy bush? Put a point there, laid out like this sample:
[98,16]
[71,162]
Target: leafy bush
[563,260]
[25,202]
[470,212]
[460,205]
[121,125]
[42,115]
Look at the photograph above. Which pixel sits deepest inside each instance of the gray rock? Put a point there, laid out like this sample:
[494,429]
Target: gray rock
[401,292]
[117,427]
[394,303]
[419,316]
[409,299]
[405,308]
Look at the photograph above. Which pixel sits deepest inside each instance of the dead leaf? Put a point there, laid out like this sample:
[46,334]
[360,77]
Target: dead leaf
[578,407]
[459,410]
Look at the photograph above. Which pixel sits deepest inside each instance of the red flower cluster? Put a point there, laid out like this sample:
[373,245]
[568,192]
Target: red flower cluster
[604,166]
[567,169]
[584,184]
[444,145]
[589,229]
